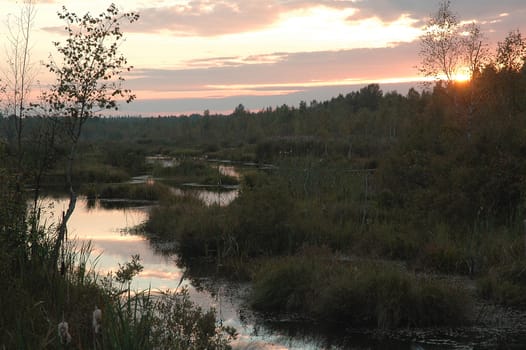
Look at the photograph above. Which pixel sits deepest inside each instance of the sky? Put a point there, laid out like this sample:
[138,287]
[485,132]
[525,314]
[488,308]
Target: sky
[196,55]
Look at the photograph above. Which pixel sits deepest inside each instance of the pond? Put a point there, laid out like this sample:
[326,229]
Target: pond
[107,226]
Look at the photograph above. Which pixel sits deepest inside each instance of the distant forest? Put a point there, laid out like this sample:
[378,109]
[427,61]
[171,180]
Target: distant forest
[456,149]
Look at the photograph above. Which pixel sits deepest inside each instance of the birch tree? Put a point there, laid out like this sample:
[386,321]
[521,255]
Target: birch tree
[89,78]
[449,48]
[20,72]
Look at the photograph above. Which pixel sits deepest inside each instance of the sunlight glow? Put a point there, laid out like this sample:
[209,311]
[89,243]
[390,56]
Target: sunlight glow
[316,28]
[462,75]
[311,84]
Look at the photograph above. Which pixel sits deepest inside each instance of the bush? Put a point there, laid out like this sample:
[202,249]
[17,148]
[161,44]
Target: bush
[180,324]
[357,294]
[283,285]
[186,220]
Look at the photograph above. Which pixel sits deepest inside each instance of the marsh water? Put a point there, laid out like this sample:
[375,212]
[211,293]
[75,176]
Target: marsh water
[108,225]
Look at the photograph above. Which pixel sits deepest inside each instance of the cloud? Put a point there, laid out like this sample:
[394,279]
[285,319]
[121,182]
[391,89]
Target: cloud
[212,18]
[388,10]
[234,61]
[292,78]
[55,30]
[293,69]
[391,9]
[207,18]
[225,105]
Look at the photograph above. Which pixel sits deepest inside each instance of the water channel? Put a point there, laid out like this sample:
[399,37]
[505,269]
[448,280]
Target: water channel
[106,225]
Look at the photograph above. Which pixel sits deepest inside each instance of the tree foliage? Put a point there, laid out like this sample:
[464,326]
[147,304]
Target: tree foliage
[89,78]
[448,48]
[511,52]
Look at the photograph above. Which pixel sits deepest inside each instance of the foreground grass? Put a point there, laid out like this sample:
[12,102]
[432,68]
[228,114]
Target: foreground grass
[37,304]
[71,306]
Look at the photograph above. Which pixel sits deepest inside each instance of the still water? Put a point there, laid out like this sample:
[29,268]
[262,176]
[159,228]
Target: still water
[108,228]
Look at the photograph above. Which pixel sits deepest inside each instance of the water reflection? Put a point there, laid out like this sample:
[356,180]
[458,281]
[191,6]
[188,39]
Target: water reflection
[107,227]
[209,198]
[229,170]
[209,195]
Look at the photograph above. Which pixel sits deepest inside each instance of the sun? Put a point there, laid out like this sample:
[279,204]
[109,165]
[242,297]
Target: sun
[462,75]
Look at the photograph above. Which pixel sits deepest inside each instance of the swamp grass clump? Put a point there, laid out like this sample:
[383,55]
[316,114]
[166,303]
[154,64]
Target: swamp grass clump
[194,171]
[505,284]
[357,294]
[155,320]
[143,191]
[184,219]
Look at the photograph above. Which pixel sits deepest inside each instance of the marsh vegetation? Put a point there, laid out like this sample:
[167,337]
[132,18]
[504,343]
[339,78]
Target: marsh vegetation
[374,210]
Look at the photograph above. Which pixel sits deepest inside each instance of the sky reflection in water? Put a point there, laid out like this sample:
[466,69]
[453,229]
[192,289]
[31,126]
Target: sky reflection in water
[106,229]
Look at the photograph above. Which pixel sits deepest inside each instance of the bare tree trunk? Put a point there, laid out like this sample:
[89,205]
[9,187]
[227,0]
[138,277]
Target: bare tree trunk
[62,229]
[19,74]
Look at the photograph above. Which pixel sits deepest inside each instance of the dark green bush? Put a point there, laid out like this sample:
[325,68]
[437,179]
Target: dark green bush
[196,228]
[283,285]
[358,294]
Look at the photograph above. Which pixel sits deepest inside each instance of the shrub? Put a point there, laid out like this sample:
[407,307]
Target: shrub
[283,285]
[358,294]
[196,228]
[95,173]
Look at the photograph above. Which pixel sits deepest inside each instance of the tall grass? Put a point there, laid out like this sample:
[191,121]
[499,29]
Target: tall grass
[33,306]
[194,171]
[51,307]
[147,192]
[505,284]
[352,294]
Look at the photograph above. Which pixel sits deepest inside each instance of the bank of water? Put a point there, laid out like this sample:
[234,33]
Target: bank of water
[107,228]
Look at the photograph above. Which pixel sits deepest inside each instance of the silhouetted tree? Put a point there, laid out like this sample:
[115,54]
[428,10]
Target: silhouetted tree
[88,79]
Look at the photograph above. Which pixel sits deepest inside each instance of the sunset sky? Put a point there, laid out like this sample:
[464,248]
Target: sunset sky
[203,54]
